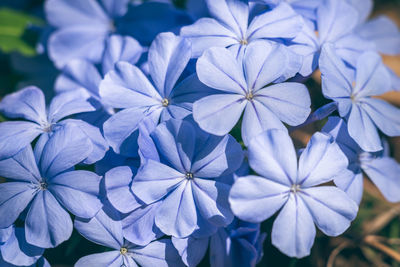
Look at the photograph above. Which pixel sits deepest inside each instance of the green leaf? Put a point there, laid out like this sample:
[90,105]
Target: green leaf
[13,25]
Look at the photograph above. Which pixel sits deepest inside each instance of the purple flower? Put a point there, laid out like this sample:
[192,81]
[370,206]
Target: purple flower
[243,86]
[44,183]
[127,88]
[293,187]
[188,178]
[106,229]
[353,95]
[29,104]
[379,166]
[230,26]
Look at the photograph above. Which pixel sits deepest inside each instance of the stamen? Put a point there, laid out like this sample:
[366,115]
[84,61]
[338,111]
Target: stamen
[123,250]
[244,42]
[295,188]
[43,185]
[189,176]
[165,102]
[249,96]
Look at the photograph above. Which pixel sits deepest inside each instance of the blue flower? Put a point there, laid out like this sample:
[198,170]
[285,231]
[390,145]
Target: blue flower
[127,88]
[188,178]
[379,166]
[292,187]
[238,244]
[44,184]
[230,27]
[353,95]
[243,86]
[29,103]
[82,28]
[15,251]
[106,229]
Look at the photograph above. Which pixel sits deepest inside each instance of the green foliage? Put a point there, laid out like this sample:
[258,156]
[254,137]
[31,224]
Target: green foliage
[13,31]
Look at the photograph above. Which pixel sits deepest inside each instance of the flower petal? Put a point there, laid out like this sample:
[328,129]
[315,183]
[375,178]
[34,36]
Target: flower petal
[109,259]
[255,199]
[272,155]
[191,250]
[47,224]
[293,231]
[21,167]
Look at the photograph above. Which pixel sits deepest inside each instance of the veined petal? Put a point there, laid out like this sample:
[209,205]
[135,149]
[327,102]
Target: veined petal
[272,155]
[293,231]
[168,57]
[27,103]
[78,192]
[255,199]
[331,208]
[103,229]
[14,198]
[155,180]
[47,224]
[109,259]
[192,250]
[218,114]
[177,215]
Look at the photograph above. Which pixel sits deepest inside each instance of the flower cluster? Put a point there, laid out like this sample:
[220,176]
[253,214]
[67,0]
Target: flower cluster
[135,150]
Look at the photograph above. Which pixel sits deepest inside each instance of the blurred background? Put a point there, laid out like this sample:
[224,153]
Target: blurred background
[372,240]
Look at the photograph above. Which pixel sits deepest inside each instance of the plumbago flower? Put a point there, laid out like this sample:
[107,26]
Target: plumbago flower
[44,184]
[15,251]
[238,244]
[29,103]
[82,27]
[230,26]
[293,187]
[128,89]
[187,179]
[79,73]
[243,86]
[354,96]
[379,166]
[106,229]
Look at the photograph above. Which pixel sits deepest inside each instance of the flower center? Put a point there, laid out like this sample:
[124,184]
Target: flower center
[165,102]
[295,188]
[249,96]
[48,127]
[123,251]
[243,42]
[43,186]
[189,176]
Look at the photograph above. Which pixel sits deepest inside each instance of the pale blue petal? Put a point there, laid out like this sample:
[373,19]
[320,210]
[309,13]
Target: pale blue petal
[321,161]
[27,103]
[155,180]
[168,57]
[255,199]
[191,250]
[21,167]
[14,198]
[293,231]
[47,224]
[15,136]
[218,114]
[363,130]
[158,253]
[219,156]
[384,172]
[120,48]
[218,69]
[69,103]
[364,8]
[78,192]
[272,155]
[280,22]
[115,8]
[331,208]
[211,199]
[177,215]
[67,147]
[105,259]
[206,33]
[103,229]
[126,87]
[139,226]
